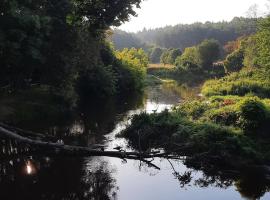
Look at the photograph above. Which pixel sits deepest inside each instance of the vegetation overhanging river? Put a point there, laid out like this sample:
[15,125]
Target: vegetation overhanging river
[111,178]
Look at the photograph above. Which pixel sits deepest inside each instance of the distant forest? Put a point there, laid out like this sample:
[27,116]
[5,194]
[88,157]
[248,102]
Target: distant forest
[183,35]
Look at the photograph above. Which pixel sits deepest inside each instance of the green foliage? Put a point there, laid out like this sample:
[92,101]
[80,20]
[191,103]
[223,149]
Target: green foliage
[136,62]
[60,44]
[98,82]
[122,39]
[155,55]
[189,77]
[218,126]
[183,36]
[189,60]
[250,47]
[239,83]
[164,59]
[174,53]
[256,47]
[253,113]
[225,116]
[169,56]
[263,41]
[200,139]
[193,109]
[234,61]
[199,57]
[248,113]
[208,51]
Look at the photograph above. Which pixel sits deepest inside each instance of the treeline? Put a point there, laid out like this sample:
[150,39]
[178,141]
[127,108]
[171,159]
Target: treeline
[62,45]
[184,35]
[122,39]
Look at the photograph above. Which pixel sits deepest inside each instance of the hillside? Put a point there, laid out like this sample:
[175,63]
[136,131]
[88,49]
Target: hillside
[184,35]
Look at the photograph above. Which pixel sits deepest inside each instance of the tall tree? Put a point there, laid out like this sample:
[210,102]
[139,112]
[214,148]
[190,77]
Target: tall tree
[209,51]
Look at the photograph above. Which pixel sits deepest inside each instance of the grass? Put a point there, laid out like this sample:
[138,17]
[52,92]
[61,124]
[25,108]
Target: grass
[160,66]
[247,81]
[200,140]
[229,123]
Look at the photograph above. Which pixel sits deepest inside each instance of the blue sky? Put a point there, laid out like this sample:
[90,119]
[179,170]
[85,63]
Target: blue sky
[159,13]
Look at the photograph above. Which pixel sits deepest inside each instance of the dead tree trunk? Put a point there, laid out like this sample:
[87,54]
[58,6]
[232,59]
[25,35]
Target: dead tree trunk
[50,148]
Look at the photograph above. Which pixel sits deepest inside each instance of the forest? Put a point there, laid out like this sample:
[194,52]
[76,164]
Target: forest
[185,35]
[86,108]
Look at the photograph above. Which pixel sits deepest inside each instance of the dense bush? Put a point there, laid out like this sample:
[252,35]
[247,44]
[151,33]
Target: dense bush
[248,113]
[253,113]
[225,116]
[189,60]
[196,139]
[132,69]
[234,61]
[51,43]
[169,56]
[155,54]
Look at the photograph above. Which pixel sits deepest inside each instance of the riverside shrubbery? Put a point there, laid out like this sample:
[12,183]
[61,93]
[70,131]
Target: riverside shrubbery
[199,139]
[231,122]
[240,83]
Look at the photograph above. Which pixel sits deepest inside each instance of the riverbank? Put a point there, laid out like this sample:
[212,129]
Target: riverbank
[214,129]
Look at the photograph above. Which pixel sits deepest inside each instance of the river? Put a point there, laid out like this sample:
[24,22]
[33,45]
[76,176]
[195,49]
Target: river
[102,178]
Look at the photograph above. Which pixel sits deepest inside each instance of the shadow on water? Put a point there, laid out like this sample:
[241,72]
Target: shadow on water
[110,178]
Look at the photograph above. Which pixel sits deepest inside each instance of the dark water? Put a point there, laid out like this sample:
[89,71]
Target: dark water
[102,178]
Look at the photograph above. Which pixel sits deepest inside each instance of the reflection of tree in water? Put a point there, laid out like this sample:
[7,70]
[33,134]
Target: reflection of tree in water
[251,183]
[102,184]
[59,179]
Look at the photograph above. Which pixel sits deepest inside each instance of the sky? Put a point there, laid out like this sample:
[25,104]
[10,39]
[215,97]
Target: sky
[159,13]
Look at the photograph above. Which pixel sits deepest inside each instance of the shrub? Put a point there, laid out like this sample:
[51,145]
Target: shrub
[234,61]
[225,116]
[193,109]
[240,83]
[253,113]
[132,68]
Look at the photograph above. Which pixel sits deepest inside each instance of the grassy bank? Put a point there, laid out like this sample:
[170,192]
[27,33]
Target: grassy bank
[248,81]
[220,128]
[189,77]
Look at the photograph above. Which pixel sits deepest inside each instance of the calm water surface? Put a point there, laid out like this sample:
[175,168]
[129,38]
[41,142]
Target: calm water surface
[102,178]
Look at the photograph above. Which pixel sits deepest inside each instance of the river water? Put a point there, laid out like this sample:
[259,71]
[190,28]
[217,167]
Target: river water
[102,178]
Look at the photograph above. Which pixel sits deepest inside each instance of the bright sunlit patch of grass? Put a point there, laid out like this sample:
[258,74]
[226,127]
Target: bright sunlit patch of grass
[160,66]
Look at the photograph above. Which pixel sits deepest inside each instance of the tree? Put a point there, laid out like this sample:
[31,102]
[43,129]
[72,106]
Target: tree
[164,59]
[263,41]
[189,60]
[253,11]
[174,53]
[169,56]
[208,51]
[134,61]
[250,46]
[183,36]
[234,61]
[122,39]
[156,54]
[54,42]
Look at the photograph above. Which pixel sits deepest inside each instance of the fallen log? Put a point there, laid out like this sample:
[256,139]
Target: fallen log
[50,148]
[25,133]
